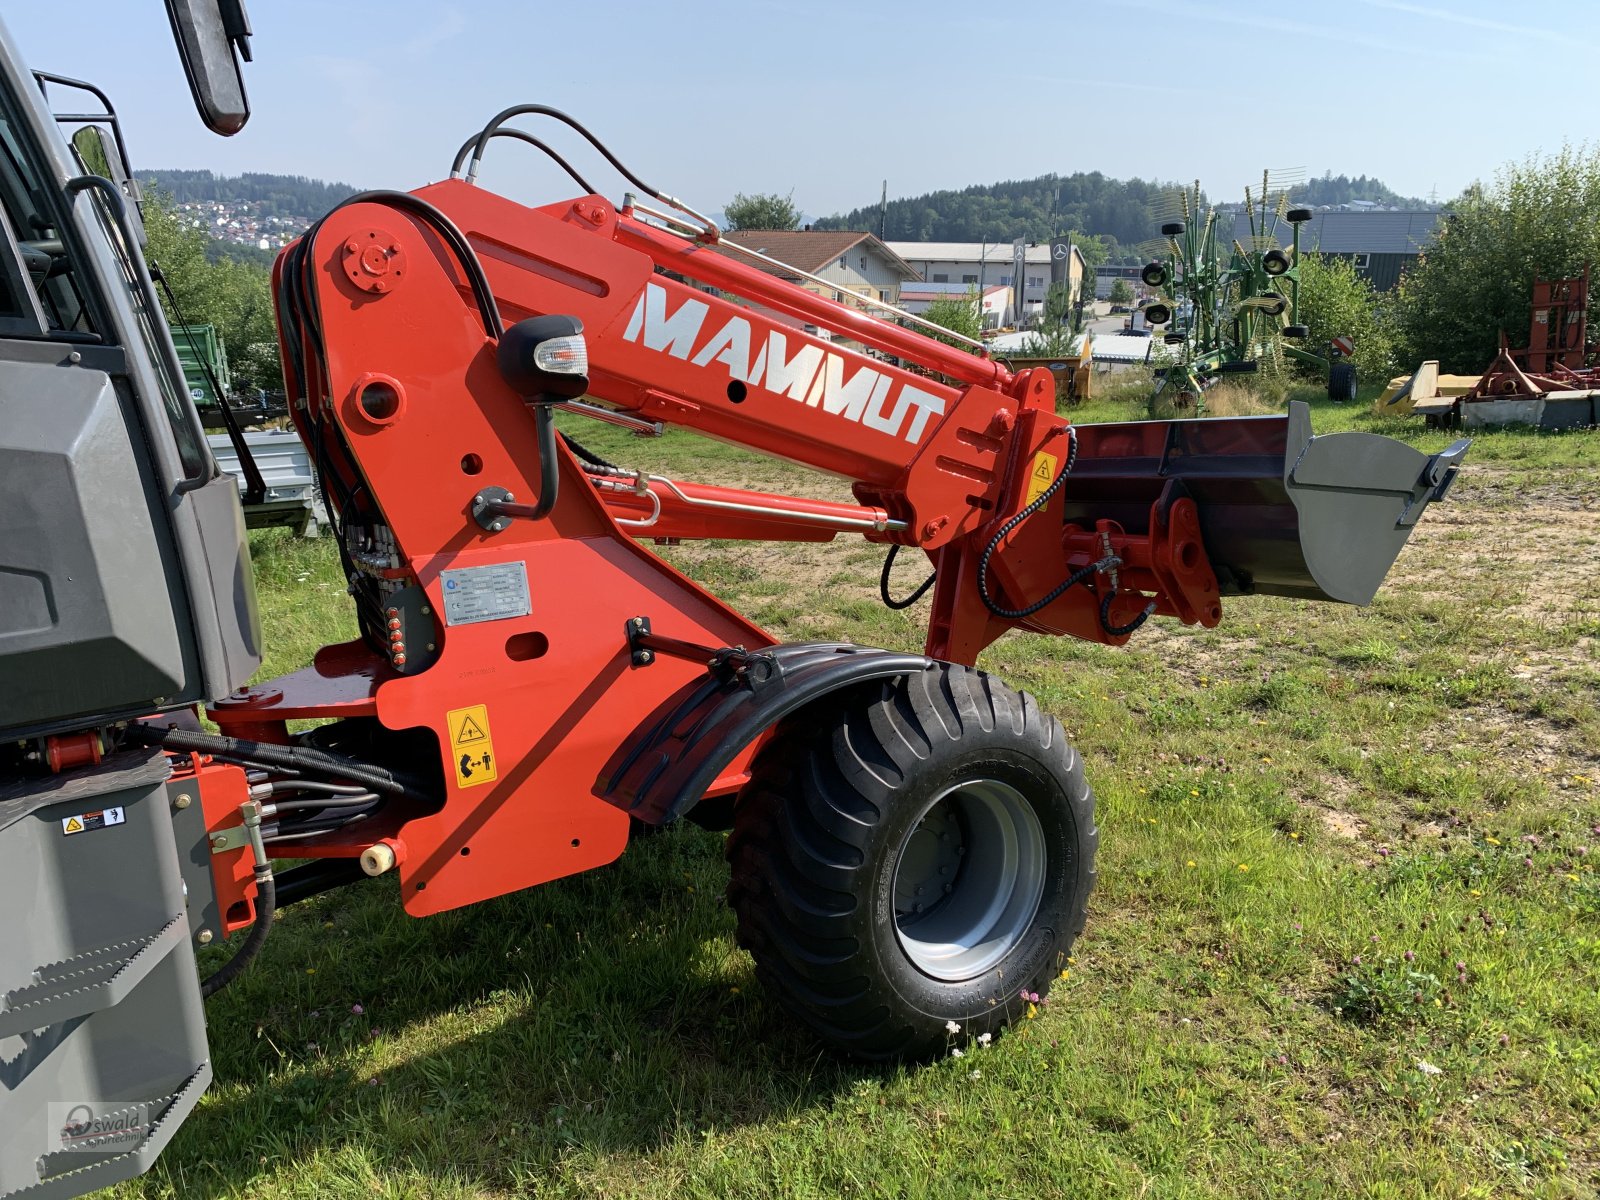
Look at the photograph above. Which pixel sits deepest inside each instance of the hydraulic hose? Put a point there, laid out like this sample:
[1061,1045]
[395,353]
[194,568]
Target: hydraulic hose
[266,908]
[466,148]
[1017,614]
[883,583]
[272,754]
[1122,630]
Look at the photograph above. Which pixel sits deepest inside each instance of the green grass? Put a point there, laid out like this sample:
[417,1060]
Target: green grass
[1302,788]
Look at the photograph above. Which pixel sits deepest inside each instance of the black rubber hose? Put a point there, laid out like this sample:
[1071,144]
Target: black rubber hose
[521,136]
[883,583]
[325,805]
[585,454]
[266,908]
[273,754]
[1121,630]
[481,141]
[1017,614]
[488,308]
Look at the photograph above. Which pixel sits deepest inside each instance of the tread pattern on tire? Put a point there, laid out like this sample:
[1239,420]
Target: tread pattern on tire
[803,838]
[1342,381]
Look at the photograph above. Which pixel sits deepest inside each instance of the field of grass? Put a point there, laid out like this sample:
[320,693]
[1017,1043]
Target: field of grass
[1346,940]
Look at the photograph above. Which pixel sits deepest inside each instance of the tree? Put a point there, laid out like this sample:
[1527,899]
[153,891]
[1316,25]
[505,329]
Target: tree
[1336,301]
[1536,219]
[1121,292]
[1052,342]
[1094,249]
[234,296]
[959,314]
[764,210]
[1120,211]
[1062,313]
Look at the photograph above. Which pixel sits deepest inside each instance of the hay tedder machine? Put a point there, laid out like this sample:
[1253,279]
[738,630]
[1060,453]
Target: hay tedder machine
[1231,306]
[912,841]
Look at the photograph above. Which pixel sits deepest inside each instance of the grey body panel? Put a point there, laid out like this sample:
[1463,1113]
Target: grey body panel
[99,1002]
[125,587]
[88,623]
[115,599]
[230,628]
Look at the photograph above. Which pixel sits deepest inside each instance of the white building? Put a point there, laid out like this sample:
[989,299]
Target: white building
[996,299]
[987,264]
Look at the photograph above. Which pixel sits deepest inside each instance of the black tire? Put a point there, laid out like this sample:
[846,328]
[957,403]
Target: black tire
[1298,216]
[1174,339]
[1276,303]
[1246,367]
[1157,314]
[1342,381]
[1153,274]
[1297,332]
[824,829]
[1275,263]
[1172,229]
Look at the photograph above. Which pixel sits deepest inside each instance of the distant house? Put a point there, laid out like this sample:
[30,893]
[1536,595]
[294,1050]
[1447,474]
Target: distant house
[996,300]
[982,264]
[1380,243]
[851,264]
[1107,274]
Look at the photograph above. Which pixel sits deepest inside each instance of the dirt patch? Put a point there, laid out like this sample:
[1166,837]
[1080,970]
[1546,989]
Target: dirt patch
[1491,485]
[1540,564]
[1191,654]
[1340,823]
[1537,746]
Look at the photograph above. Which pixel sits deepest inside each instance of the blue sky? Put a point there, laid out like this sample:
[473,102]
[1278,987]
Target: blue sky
[828,99]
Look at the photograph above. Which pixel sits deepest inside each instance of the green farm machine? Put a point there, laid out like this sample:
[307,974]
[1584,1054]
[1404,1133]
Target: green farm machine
[1230,304]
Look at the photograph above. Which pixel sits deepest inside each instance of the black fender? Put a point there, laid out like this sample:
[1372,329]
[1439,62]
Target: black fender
[666,765]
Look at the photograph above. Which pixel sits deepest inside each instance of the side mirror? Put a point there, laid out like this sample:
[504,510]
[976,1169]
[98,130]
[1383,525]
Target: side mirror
[99,154]
[212,36]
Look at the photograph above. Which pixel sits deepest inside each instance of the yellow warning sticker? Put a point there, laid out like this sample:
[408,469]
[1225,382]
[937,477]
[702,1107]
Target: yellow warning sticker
[99,819]
[1041,476]
[471,749]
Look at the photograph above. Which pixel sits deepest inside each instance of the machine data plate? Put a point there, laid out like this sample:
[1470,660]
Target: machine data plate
[485,593]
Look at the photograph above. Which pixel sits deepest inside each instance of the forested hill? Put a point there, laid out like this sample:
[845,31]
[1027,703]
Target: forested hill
[1342,189]
[267,195]
[1124,212]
